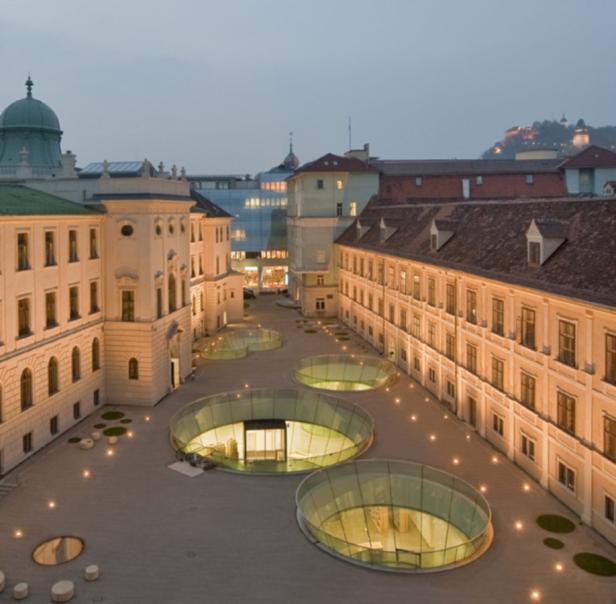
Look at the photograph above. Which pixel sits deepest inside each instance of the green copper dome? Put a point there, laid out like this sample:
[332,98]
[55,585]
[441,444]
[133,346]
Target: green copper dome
[30,132]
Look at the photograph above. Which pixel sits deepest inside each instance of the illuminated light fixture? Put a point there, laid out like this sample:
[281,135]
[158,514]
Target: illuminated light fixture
[455,461]
[238,396]
[427,399]
[468,437]
[397,400]
[51,504]
[130,434]
[445,416]
[411,385]
[413,418]
[344,348]
[558,567]
[18,533]
[518,525]
[494,459]
[246,386]
[147,418]
[109,452]
[483,488]
[86,473]
[386,389]
[432,437]
[526,487]
[535,596]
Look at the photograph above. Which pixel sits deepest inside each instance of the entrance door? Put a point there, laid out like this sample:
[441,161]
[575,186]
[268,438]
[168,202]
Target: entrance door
[175,373]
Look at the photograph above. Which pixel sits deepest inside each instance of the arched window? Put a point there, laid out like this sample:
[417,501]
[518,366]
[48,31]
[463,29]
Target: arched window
[76,364]
[26,389]
[133,369]
[172,293]
[96,354]
[53,379]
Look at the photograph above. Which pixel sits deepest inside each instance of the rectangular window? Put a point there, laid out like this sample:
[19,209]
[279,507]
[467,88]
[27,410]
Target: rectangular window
[566,343]
[566,476]
[498,373]
[76,410]
[128,305]
[418,181]
[320,280]
[72,246]
[431,333]
[159,302]
[450,346]
[352,208]
[471,358]
[432,375]
[23,253]
[610,358]
[534,253]
[498,316]
[609,437]
[402,281]
[403,319]
[451,299]
[73,296]
[319,304]
[93,297]
[431,291]
[416,326]
[471,306]
[93,244]
[53,425]
[96,397]
[339,184]
[380,308]
[498,424]
[530,179]
[416,287]
[50,310]
[528,328]
[527,390]
[566,412]
[609,508]
[50,248]
[403,355]
[320,183]
[472,411]
[417,363]
[392,313]
[527,447]
[26,443]
[23,317]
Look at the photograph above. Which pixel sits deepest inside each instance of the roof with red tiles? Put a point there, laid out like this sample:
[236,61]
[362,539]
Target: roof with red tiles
[591,157]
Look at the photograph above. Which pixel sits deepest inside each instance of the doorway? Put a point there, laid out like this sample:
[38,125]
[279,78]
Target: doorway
[265,440]
[175,372]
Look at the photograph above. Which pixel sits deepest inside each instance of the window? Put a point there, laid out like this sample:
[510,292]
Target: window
[76,365]
[530,179]
[416,326]
[320,280]
[183,292]
[72,246]
[472,411]
[320,183]
[432,375]
[527,390]
[498,373]
[133,369]
[338,209]
[450,346]
[23,317]
[53,377]
[200,265]
[609,508]
[527,447]
[339,184]
[96,355]
[93,297]
[451,299]
[96,397]
[73,296]
[194,306]
[352,208]
[159,302]
[217,265]
[418,181]
[25,388]
[392,313]
[566,412]
[566,476]
[50,248]
[416,363]
[26,443]
[431,291]
[23,255]
[402,323]
[76,410]
[319,304]
[610,358]
[498,424]
[93,244]
[609,436]
[566,343]
[127,230]
[498,316]
[128,305]
[471,306]
[471,358]
[53,425]
[528,328]
[534,253]
[416,287]
[431,333]
[478,180]
[50,310]
[451,389]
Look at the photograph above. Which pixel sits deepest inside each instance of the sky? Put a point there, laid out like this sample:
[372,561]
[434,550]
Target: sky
[217,85]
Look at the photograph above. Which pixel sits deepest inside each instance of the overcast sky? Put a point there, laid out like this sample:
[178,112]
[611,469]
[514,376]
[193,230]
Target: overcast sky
[216,85]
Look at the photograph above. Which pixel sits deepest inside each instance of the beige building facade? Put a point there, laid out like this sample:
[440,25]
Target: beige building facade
[533,371]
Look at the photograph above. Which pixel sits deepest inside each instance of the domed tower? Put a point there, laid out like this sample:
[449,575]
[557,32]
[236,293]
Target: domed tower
[30,134]
[581,137]
[291,161]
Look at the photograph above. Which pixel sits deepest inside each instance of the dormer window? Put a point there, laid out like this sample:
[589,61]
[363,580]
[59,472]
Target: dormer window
[534,253]
[543,238]
[441,231]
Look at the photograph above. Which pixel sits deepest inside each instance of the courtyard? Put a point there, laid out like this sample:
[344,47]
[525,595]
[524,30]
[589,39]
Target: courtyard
[160,536]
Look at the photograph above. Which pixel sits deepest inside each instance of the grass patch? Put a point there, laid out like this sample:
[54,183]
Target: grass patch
[74,440]
[115,431]
[553,543]
[112,415]
[126,420]
[100,426]
[595,564]
[310,331]
[555,523]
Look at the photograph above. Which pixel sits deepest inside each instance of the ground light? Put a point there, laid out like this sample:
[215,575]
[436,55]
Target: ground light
[394,515]
[270,431]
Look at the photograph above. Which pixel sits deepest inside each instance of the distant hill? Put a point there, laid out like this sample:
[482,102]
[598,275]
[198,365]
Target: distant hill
[561,136]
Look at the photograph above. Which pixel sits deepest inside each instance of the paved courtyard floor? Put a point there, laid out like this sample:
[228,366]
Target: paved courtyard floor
[161,537]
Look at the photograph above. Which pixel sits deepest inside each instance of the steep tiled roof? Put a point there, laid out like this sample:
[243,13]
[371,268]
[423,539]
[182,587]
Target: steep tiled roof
[19,200]
[336,163]
[463,167]
[591,157]
[490,241]
[204,206]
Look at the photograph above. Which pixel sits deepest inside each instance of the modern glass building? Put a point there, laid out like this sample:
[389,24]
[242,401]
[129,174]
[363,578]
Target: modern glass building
[259,231]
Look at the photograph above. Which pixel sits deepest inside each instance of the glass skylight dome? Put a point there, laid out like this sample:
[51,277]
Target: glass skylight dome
[238,344]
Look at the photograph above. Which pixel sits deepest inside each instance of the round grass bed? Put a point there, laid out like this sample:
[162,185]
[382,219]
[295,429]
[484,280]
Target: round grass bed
[555,523]
[595,564]
[100,426]
[553,543]
[115,431]
[112,415]
[126,420]
[74,440]
[310,331]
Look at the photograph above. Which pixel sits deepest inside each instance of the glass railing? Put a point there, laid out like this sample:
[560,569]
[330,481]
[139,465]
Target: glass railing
[238,344]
